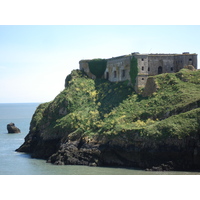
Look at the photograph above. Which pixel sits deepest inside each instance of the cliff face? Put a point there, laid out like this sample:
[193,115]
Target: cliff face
[98,123]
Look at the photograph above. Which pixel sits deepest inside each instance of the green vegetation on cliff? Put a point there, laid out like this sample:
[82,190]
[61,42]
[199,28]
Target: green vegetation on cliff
[98,107]
[97,67]
[133,70]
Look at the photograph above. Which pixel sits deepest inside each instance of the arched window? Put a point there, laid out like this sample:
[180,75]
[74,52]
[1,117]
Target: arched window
[160,70]
[142,68]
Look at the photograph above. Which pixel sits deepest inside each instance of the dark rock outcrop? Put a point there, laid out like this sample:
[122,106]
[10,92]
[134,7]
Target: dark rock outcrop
[190,67]
[150,154]
[12,128]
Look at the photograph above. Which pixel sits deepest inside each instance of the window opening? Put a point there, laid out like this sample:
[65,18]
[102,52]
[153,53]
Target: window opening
[123,73]
[160,70]
[107,75]
[115,74]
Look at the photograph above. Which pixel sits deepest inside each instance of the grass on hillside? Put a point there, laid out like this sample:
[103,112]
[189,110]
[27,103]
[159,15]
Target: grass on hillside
[101,107]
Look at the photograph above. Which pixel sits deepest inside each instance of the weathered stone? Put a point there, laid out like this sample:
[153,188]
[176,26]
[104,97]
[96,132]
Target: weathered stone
[118,68]
[150,87]
[190,67]
[12,128]
[63,111]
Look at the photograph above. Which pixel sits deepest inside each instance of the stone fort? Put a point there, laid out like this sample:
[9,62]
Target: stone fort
[118,68]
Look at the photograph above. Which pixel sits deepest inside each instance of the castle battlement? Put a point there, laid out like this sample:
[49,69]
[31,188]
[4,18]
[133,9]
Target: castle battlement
[118,68]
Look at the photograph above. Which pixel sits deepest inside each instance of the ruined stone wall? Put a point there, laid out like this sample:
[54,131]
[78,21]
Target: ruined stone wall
[83,65]
[158,64]
[182,60]
[118,69]
[142,60]
[141,80]
[178,62]
[170,62]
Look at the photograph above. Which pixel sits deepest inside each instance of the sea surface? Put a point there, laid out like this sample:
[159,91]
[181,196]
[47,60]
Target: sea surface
[15,163]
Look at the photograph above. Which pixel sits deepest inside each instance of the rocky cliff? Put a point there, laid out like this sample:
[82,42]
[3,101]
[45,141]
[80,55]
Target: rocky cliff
[98,123]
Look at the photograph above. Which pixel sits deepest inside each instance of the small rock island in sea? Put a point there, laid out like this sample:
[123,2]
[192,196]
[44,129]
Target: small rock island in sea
[12,128]
[137,110]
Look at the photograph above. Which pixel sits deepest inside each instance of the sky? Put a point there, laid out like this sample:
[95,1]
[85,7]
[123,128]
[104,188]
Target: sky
[35,60]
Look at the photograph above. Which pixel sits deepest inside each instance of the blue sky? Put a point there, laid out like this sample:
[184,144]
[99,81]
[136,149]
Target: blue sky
[34,60]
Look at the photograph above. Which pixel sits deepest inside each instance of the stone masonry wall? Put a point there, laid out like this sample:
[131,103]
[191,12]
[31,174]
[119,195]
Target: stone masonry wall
[160,64]
[118,68]
[83,65]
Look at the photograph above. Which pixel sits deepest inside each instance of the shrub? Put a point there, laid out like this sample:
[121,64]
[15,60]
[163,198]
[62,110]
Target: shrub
[133,70]
[97,67]
[102,107]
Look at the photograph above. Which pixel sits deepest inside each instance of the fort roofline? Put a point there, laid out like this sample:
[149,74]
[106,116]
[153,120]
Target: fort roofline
[144,54]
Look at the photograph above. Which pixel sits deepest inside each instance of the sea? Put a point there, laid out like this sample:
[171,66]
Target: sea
[15,163]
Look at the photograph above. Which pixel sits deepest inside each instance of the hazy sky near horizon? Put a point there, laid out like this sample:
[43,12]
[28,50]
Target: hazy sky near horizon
[35,60]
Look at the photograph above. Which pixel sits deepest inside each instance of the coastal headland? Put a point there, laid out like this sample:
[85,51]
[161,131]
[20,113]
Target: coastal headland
[101,123]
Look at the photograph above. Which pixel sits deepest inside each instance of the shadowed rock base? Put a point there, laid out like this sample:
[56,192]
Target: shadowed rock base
[12,128]
[150,155]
